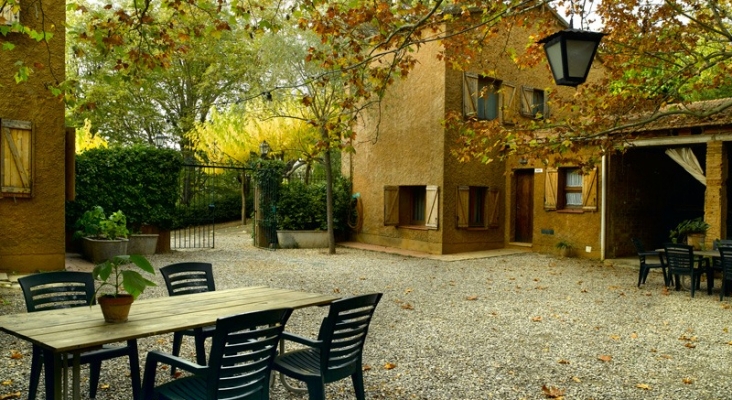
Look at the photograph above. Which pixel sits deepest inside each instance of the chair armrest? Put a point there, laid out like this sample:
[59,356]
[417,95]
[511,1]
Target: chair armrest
[300,339]
[151,365]
[649,253]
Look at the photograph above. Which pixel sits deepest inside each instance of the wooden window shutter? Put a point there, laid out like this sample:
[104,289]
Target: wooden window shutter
[463,202]
[589,190]
[550,188]
[16,158]
[545,106]
[470,94]
[432,203]
[508,107]
[391,205]
[491,218]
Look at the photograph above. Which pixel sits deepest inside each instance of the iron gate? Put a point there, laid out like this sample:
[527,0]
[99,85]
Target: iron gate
[201,188]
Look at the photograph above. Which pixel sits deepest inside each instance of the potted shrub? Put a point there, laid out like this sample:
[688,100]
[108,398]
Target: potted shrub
[126,283]
[565,248]
[693,231]
[102,237]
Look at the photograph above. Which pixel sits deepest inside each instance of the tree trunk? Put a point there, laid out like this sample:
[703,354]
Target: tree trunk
[329,199]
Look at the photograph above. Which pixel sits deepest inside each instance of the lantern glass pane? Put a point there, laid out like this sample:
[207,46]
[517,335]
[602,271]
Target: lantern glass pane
[554,55]
[580,52]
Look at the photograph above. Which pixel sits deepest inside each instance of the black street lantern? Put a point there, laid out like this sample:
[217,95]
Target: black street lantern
[264,148]
[570,53]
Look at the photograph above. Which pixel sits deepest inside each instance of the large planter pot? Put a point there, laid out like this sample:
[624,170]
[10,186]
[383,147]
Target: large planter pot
[302,239]
[115,309]
[98,251]
[696,240]
[142,243]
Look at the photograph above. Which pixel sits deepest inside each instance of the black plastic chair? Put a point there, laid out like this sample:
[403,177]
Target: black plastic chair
[682,262]
[65,289]
[188,278]
[645,266]
[725,257]
[337,354]
[240,365]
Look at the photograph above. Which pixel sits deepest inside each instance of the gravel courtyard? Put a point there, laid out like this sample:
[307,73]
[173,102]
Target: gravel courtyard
[523,326]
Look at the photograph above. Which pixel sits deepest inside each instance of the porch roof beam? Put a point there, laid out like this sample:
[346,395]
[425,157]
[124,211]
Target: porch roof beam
[680,140]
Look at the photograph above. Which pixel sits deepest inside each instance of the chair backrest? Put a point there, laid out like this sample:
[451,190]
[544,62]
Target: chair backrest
[188,277]
[719,242]
[725,253]
[60,289]
[680,257]
[638,245]
[343,334]
[242,354]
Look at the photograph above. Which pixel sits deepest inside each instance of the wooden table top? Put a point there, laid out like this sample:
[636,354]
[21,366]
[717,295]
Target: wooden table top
[82,328]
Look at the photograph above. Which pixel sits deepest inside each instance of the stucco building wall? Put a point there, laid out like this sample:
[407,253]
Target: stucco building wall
[32,236]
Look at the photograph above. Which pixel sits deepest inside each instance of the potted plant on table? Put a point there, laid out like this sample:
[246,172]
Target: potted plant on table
[102,237]
[693,231]
[118,273]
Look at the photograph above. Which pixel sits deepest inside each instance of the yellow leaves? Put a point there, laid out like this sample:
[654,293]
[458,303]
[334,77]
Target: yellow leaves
[552,392]
[615,337]
[10,396]
[563,361]
[605,358]
[16,355]
[471,298]
[689,341]
[6,382]
[389,366]
[104,386]
[537,318]
[643,386]
[688,380]
[366,367]
[407,306]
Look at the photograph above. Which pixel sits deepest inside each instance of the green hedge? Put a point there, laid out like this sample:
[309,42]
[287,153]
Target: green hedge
[303,207]
[142,181]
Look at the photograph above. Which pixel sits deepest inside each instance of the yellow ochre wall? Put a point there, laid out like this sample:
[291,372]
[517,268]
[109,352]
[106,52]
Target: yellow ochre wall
[32,234]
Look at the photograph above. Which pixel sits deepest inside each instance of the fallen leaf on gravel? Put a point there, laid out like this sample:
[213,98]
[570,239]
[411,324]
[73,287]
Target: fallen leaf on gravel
[472,298]
[730,343]
[537,318]
[407,306]
[366,367]
[690,345]
[7,382]
[553,392]
[643,386]
[408,290]
[336,290]
[16,355]
[563,361]
[389,366]
[576,379]
[634,335]
[687,381]
[583,291]
[614,337]
[665,291]
[9,396]
[605,358]
[104,386]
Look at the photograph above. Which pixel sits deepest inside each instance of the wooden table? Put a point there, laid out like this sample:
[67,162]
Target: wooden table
[74,330]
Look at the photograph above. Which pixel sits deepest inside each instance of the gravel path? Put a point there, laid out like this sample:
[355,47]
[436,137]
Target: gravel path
[524,326]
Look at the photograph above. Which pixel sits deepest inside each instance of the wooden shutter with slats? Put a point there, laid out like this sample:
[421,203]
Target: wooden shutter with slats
[551,180]
[463,202]
[491,218]
[16,158]
[391,205]
[470,95]
[508,107]
[432,210]
[589,190]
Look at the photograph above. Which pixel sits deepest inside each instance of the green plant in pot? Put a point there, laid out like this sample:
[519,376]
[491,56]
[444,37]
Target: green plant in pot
[692,231]
[564,247]
[102,237]
[121,283]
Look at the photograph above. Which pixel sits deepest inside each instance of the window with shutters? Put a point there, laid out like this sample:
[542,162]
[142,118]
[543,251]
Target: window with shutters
[411,206]
[533,103]
[570,189]
[488,99]
[477,207]
[16,158]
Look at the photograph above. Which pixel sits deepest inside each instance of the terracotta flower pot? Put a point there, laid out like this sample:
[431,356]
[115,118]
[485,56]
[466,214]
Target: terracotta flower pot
[115,309]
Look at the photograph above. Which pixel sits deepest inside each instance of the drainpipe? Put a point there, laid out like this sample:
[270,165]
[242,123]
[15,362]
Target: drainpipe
[603,208]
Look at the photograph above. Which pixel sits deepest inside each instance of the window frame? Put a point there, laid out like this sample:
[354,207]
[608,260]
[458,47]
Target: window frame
[555,190]
[17,158]
[530,107]
[472,200]
[400,203]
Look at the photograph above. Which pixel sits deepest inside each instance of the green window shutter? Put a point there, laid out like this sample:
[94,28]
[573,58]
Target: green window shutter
[551,180]
[391,205]
[589,190]
[432,206]
[463,202]
[16,158]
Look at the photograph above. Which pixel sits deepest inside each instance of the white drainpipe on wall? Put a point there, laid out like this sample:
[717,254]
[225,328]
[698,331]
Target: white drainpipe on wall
[603,207]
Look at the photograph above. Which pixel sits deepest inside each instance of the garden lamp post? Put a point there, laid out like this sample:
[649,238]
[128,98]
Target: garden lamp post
[570,53]
[264,149]
[159,140]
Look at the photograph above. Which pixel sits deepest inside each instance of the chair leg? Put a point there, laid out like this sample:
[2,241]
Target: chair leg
[693,281]
[316,390]
[95,369]
[177,341]
[200,348]
[666,277]
[640,275]
[723,289]
[134,357]
[357,379]
[35,374]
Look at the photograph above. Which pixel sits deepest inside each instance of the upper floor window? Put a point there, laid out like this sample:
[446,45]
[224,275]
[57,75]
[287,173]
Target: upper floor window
[533,103]
[481,97]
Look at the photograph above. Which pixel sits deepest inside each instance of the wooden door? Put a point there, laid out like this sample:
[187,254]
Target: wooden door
[523,220]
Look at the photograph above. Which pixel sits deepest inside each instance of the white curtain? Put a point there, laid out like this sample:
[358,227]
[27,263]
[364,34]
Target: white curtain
[686,158]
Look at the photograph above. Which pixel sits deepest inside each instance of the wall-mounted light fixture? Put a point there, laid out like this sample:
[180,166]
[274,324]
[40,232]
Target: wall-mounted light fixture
[523,161]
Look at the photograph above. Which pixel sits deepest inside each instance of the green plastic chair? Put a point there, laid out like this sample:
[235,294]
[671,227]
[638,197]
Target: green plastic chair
[682,261]
[240,363]
[66,289]
[337,354]
[187,278]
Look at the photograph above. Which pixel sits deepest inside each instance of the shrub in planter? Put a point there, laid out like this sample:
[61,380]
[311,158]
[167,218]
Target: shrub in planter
[103,237]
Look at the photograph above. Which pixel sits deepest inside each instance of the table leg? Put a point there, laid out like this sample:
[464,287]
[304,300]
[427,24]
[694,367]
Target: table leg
[76,375]
[52,361]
